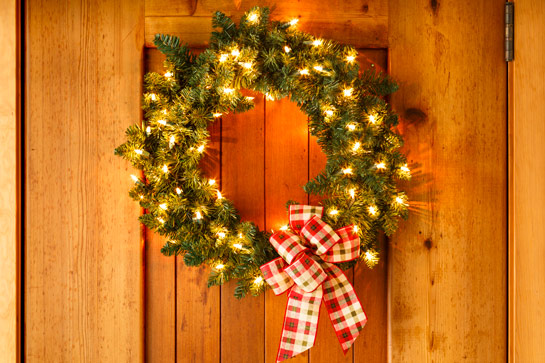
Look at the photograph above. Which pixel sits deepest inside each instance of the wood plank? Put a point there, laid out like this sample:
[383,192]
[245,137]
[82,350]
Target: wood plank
[306,8]
[243,147]
[198,307]
[160,276]
[286,170]
[371,284]
[83,248]
[448,262]
[9,179]
[527,244]
[365,32]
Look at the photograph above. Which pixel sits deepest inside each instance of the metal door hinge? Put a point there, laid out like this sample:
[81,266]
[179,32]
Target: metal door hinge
[509,31]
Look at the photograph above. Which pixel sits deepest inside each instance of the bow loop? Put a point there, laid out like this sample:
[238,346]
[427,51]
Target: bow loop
[347,249]
[288,245]
[320,235]
[299,214]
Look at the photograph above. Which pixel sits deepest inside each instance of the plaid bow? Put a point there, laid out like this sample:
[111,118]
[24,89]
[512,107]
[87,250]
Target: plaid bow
[305,268]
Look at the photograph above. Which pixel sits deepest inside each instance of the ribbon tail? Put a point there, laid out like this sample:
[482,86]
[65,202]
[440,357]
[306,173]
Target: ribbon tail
[300,322]
[343,306]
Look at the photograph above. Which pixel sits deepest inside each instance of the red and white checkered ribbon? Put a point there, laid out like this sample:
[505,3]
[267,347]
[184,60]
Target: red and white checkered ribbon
[305,269]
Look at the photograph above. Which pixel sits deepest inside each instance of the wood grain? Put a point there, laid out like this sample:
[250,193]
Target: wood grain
[243,173]
[160,276]
[198,307]
[83,248]
[447,265]
[9,179]
[371,284]
[286,171]
[527,187]
[358,32]
[306,8]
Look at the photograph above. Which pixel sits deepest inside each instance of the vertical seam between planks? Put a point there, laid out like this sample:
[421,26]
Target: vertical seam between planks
[264,217]
[221,187]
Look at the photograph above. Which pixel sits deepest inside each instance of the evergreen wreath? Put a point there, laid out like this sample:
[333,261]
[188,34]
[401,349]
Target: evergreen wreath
[346,111]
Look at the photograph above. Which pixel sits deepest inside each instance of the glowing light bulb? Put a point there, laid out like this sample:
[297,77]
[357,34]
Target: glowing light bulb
[223,57]
[405,168]
[171,141]
[253,18]
[318,68]
[164,112]
[211,181]
[333,212]
[356,146]
[178,191]
[198,215]
[294,21]
[200,148]
[284,228]
[250,98]
[348,92]
[134,178]
[221,235]
[148,130]
[372,210]
[153,97]
[217,114]
[258,280]
[235,53]
[329,113]
[303,72]
[219,194]
[351,127]
[347,171]
[168,74]
[380,166]
[352,193]
[371,257]
[355,229]
[400,200]
[220,266]
[372,119]
[350,58]
[287,49]
[228,90]
[269,97]
[161,220]
[247,65]
[317,42]
[162,122]
[138,151]
[165,169]
[141,196]
[163,206]
[238,246]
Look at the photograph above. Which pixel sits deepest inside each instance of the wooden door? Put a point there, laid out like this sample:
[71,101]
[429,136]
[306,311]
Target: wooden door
[441,296]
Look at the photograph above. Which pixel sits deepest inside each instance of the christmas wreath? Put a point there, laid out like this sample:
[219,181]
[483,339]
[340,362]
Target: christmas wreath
[347,113]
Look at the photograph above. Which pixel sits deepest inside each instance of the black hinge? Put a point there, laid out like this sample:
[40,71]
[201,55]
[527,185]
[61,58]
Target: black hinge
[509,31]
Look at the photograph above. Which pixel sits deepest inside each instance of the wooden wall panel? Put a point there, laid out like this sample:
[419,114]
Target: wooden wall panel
[243,173]
[447,276]
[362,23]
[83,250]
[198,307]
[286,171]
[9,179]
[527,184]
[160,279]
